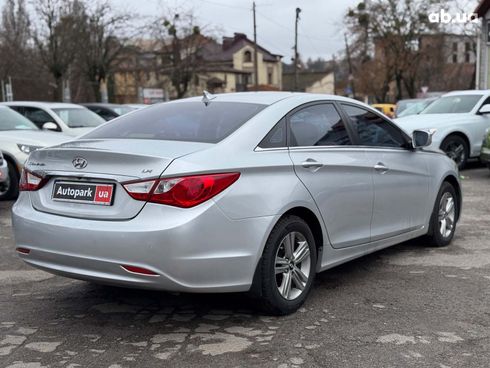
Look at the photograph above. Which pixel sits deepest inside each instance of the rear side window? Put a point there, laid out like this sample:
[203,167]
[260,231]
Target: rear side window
[276,138]
[181,121]
[318,125]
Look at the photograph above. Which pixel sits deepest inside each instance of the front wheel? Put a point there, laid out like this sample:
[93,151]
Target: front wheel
[287,267]
[444,216]
[457,149]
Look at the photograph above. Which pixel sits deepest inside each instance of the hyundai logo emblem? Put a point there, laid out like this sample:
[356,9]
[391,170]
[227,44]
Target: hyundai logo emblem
[79,163]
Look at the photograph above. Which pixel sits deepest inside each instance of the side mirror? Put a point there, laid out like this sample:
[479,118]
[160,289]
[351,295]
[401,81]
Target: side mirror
[422,138]
[485,109]
[50,126]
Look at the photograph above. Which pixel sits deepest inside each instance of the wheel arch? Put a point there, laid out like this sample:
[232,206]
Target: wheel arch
[12,161]
[313,222]
[459,134]
[317,229]
[451,179]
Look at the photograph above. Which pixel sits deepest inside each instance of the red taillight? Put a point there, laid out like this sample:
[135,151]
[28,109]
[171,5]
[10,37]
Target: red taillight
[185,192]
[139,270]
[30,182]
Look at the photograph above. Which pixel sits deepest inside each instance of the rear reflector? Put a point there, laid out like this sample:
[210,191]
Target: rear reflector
[185,192]
[23,250]
[139,270]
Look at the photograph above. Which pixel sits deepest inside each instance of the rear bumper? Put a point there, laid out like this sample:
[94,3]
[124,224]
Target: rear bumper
[191,250]
[4,171]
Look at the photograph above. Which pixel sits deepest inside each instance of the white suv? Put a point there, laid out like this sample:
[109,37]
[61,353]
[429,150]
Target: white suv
[4,175]
[18,138]
[68,118]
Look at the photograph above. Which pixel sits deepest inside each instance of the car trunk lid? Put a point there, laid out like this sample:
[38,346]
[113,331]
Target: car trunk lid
[90,164]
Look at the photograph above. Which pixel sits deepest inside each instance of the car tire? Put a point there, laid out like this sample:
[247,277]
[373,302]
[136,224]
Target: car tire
[457,149]
[299,265]
[12,190]
[439,233]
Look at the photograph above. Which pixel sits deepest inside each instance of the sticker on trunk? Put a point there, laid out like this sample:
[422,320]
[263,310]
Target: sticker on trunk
[90,193]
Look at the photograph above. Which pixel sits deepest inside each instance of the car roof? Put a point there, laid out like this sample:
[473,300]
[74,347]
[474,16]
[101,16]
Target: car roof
[469,92]
[266,98]
[49,105]
[101,104]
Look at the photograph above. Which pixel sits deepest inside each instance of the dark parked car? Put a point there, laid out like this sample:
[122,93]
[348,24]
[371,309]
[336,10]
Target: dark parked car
[108,111]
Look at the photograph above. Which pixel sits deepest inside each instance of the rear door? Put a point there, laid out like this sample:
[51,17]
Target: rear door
[335,173]
[400,174]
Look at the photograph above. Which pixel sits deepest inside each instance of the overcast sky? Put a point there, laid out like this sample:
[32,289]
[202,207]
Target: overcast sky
[320,27]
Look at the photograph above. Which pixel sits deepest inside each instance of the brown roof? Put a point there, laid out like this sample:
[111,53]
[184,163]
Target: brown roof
[213,51]
[482,8]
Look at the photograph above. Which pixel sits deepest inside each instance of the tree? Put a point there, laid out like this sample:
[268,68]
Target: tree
[180,41]
[104,38]
[14,37]
[14,30]
[58,36]
[393,29]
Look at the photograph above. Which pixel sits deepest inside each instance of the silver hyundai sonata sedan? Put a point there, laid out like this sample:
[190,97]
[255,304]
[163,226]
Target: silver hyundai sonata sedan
[236,192]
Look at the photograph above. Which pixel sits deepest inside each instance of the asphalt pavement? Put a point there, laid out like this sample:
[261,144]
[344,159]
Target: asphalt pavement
[407,306]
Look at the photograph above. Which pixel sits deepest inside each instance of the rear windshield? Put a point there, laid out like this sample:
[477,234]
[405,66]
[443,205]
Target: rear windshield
[181,121]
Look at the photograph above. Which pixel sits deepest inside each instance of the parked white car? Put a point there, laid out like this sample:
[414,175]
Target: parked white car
[460,119]
[67,118]
[4,175]
[18,138]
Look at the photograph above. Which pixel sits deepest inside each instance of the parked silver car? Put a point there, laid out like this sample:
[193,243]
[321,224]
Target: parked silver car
[235,192]
[18,138]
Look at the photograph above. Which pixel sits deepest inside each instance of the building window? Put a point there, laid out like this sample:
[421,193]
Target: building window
[455,58]
[467,57]
[247,56]
[269,77]
[455,46]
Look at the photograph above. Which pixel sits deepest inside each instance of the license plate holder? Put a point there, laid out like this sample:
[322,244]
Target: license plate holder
[101,194]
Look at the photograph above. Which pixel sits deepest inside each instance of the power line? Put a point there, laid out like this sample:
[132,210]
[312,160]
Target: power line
[274,22]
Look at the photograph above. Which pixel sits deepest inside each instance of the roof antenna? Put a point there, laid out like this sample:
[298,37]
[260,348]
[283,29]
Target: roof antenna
[207,97]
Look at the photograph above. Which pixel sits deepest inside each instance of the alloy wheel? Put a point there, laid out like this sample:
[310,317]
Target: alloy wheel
[456,151]
[292,265]
[447,214]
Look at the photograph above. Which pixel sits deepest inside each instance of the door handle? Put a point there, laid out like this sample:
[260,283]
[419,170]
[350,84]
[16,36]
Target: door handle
[311,164]
[380,167]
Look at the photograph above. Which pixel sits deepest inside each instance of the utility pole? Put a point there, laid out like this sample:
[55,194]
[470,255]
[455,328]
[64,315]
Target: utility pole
[296,56]
[349,62]
[256,58]
[9,91]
